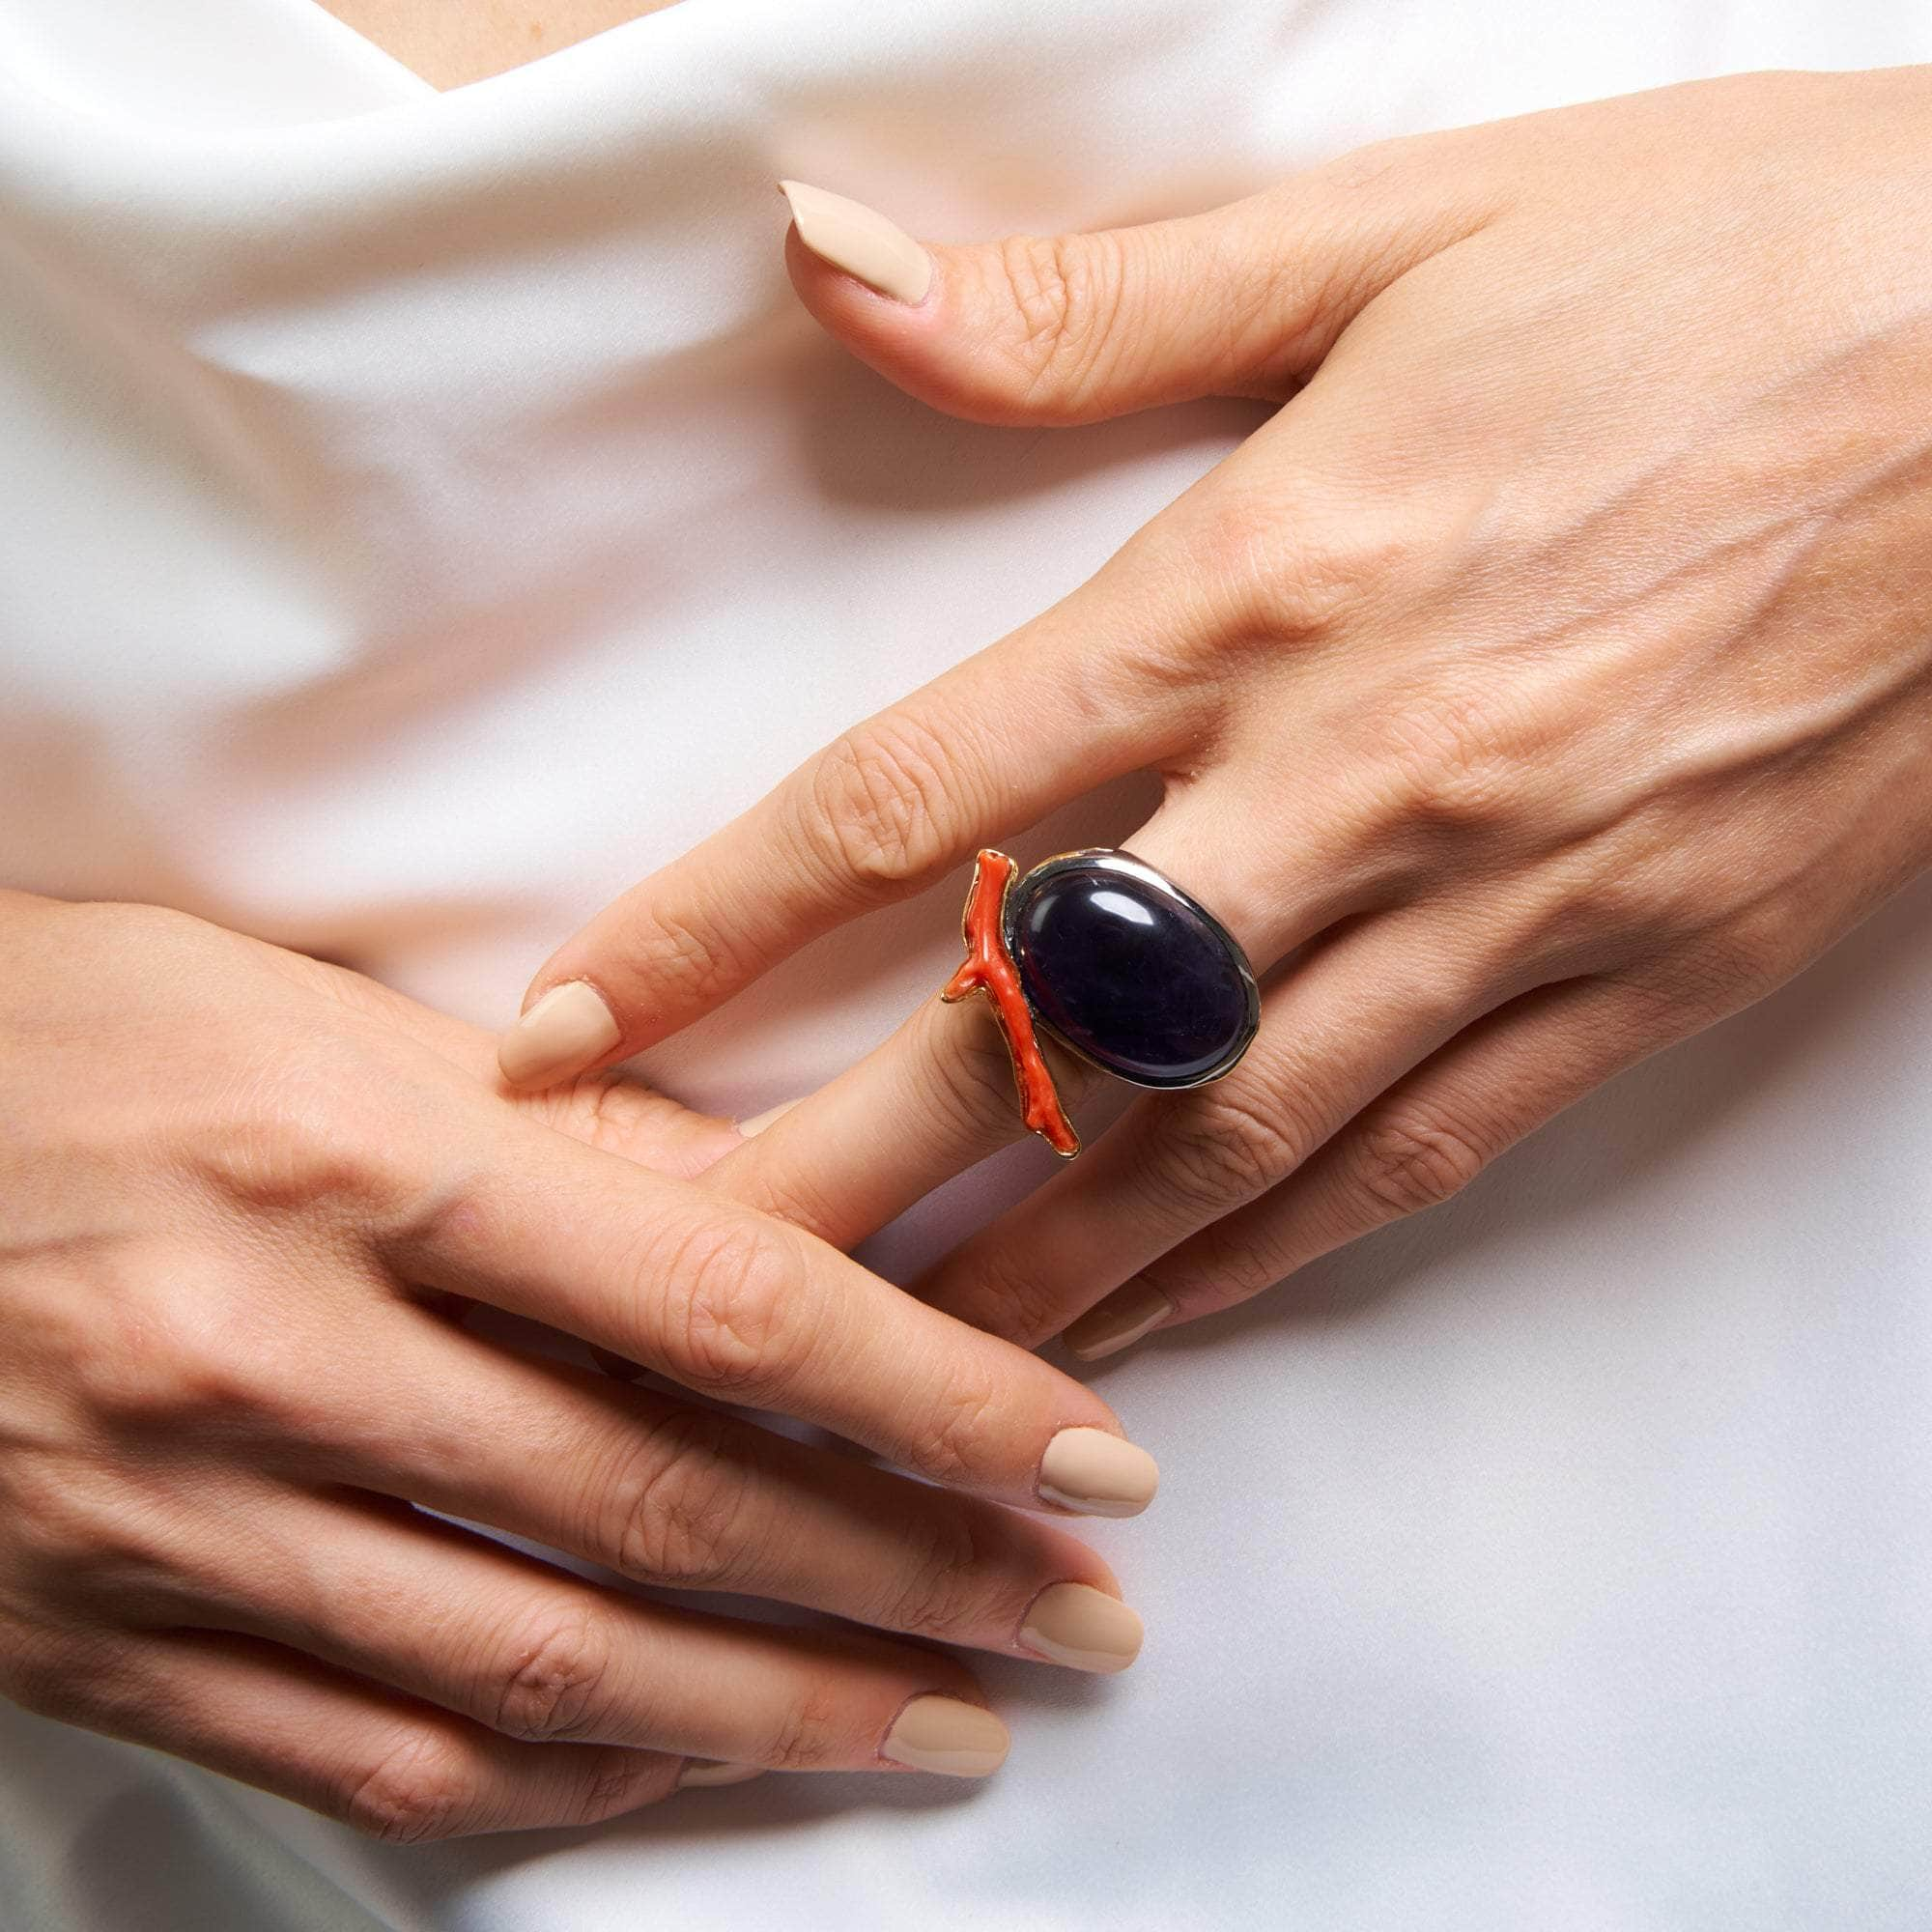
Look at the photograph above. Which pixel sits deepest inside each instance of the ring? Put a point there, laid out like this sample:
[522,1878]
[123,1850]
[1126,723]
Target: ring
[1117,963]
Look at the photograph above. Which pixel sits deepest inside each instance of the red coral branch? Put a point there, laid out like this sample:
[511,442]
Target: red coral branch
[989,969]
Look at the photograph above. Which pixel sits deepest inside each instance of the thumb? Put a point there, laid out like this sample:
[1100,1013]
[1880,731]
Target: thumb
[1244,300]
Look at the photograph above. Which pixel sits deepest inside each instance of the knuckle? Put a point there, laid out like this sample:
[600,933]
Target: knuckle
[1617,906]
[805,1730]
[971,1073]
[877,808]
[1412,1162]
[1010,1295]
[968,1069]
[77,1541]
[420,1790]
[605,1111]
[733,1294]
[1579,912]
[974,1075]
[1645,1009]
[621,1782]
[660,949]
[1461,975]
[935,1590]
[680,1508]
[175,1352]
[1288,562]
[295,1138]
[957,1438]
[1068,292]
[1454,763]
[1225,1265]
[1604,906]
[1223,1150]
[812,1201]
[555,1684]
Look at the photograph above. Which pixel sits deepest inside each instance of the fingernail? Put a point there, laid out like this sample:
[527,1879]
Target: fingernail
[1098,1474]
[1084,1628]
[707,1770]
[563,1033]
[944,1735]
[1118,1322]
[861,241]
[759,1122]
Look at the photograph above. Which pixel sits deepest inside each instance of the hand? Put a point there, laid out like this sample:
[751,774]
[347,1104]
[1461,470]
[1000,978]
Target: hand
[1548,677]
[241,1193]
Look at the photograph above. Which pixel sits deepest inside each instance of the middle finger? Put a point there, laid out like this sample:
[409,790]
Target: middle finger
[938,1096]
[742,1307]
[541,1657]
[1352,1016]
[667,1493]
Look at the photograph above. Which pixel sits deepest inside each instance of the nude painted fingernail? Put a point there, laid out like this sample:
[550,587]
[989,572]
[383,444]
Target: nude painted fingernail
[1098,1474]
[861,241]
[1083,1628]
[704,1771]
[759,1122]
[944,1735]
[563,1033]
[1118,1322]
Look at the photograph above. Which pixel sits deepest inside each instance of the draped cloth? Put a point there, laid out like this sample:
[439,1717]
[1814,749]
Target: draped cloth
[421,514]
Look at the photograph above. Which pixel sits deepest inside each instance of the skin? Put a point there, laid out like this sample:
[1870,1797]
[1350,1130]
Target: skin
[451,42]
[249,1199]
[1547,679]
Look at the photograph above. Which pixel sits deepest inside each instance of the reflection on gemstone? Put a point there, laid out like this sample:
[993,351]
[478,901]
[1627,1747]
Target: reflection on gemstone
[1115,904]
[1130,975]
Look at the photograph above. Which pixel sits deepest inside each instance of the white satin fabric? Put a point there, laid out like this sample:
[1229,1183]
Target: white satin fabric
[421,514]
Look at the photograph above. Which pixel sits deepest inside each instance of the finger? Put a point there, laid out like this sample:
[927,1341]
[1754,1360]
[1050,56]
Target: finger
[1350,1018]
[617,1113]
[543,1657]
[742,1308]
[985,751]
[1006,737]
[392,1768]
[939,1095]
[1243,300]
[933,1100]
[1417,1145]
[671,1494]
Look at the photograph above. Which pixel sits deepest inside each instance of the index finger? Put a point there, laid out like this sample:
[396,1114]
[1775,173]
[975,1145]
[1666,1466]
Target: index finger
[742,1307]
[1049,712]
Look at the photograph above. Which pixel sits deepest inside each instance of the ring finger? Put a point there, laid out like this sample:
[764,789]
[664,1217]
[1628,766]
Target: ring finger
[667,1493]
[543,1657]
[1357,1011]
[938,1096]
[1412,1149]
[390,1767]
[740,1307]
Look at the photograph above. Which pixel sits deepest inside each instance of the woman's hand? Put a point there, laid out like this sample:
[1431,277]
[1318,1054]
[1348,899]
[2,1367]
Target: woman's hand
[242,1197]
[1549,677]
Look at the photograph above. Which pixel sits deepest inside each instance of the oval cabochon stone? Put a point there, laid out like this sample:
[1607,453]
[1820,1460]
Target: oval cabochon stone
[1127,975]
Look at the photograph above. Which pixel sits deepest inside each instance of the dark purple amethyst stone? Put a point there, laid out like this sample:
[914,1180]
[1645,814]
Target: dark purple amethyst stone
[1132,974]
